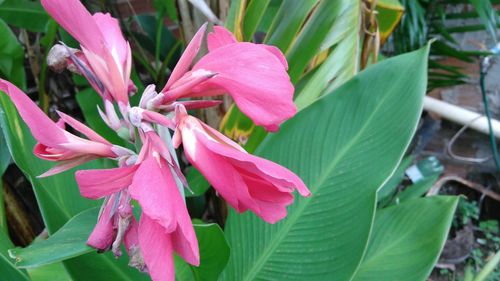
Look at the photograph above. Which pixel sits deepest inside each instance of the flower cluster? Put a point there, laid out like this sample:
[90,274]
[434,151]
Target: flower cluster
[254,75]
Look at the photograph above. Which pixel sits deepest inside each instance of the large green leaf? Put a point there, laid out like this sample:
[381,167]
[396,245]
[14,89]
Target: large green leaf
[69,241]
[407,240]
[24,14]
[11,57]
[344,146]
[59,199]
[214,254]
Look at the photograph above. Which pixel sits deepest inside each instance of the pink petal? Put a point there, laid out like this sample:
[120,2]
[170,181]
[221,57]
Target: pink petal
[218,172]
[184,238]
[131,238]
[63,166]
[157,250]
[82,128]
[82,146]
[187,57]
[43,129]
[277,52]
[255,78]
[153,187]
[219,37]
[98,183]
[103,234]
[77,21]
[115,42]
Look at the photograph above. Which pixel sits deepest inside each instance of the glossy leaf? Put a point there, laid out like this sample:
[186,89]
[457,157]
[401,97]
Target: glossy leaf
[407,240]
[214,254]
[344,147]
[69,241]
[24,14]
[391,185]
[52,272]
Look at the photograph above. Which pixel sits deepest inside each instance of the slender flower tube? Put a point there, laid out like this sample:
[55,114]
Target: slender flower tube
[104,48]
[54,142]
[247,182]
[255,75]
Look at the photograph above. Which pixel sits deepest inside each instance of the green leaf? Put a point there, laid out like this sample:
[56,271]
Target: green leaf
[388,16]
[69,241]
[24,14]
[59,199]
[407,240]
[488,268]
[7,269]
[418,189]
[337,24]
[254,13]
[344,146]
[52,272]
[11,57]
[214,254]
[197,182]
[390,186]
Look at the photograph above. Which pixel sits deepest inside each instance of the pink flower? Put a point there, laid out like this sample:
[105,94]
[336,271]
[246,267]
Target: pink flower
[255,75]
[165,225]
[105,49]
[55,143]
[247,182]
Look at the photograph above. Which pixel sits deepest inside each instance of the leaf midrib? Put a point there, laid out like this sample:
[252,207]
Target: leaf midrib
[322,179]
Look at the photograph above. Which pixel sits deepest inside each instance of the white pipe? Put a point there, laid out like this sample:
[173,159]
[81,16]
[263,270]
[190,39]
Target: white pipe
[461,115]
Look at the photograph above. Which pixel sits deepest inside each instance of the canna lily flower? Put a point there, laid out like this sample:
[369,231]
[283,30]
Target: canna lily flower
[247,182]
[164,227]
[107,58]
[54,142]
[255,75]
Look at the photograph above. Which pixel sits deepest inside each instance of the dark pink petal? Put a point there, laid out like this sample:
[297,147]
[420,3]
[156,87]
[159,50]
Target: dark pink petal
[77,21]
[219,37]
[43,129]
[156,248]
[255,78]
[104,233]
[184,238]
[153,187]
[98,183]
[82,128]
[187,57]
[218,172]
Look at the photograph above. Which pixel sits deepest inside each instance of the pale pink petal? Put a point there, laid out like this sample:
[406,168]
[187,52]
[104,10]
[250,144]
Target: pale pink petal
[152,187]
[115,42]
[157,250]
[187,57]
[103,234]
[82,128]
[77,21]
[157,118]
[219,37]
[43,129]
[98,183]
[255,78]
[89,147]
[63,166]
